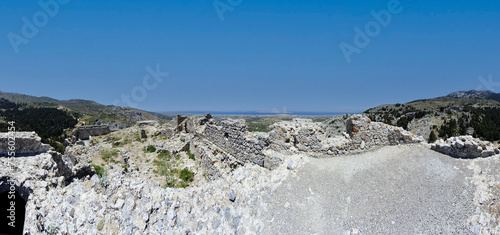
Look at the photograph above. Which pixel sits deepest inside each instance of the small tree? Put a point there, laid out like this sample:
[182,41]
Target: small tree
[432,137]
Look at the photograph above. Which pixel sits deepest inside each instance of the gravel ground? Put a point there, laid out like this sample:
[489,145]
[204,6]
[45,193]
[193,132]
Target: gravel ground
[392,190]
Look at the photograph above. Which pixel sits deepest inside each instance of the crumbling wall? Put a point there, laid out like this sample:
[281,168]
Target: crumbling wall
[465,147]
[359,133]
[26,143]
[366,134]
[304,135]
[83,132]
[213,160]
[234,138]
[148,123]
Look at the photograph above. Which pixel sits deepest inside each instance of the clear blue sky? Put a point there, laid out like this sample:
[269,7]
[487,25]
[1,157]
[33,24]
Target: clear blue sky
[264,55]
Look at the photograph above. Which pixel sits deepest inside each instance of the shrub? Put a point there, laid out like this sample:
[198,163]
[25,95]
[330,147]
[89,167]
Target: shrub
[107,155]
[191,156]
[99,170]
[188,152]
[164,156]
[170,183]
[432,137]
[162,167]
[150,149]
[186,175]
[137,137]
[57,146]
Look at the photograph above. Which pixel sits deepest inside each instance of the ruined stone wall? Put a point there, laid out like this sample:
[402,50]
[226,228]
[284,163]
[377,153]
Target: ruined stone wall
[359,133]
[234,139]
[214,162]
[304,135]
[465,147]
[26,143]
[86,131]
[366,134]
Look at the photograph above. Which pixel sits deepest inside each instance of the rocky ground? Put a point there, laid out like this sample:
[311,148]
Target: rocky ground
[374,189]
[395,189]
[392,190]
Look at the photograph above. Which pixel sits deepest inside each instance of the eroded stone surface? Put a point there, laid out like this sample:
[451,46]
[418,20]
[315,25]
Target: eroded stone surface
[238,170]
[26,143]
[465,147]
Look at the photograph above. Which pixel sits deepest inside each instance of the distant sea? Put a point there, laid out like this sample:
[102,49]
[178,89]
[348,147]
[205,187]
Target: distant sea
[259,113]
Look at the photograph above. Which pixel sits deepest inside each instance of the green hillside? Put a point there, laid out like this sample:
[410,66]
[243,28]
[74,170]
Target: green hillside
[89,112]
[53,120]
[444,117]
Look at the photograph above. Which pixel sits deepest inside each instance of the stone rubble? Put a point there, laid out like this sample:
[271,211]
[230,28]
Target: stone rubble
[26,143]
[359,133]
[123,203]
[465,147]
[239,169]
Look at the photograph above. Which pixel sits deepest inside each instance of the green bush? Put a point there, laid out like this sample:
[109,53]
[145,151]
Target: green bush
[432,137]
[188,152]
[107,155]
[99,170]
[162,167]
[170,183]
[164,156]
[162,164]
[57,146]
[150,149]
[186,175]
[191,156]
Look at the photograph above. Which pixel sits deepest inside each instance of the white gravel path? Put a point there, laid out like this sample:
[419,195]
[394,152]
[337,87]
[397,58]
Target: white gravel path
[392,190]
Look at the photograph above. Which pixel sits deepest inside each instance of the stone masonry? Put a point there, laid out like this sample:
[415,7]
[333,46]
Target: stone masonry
[26,143]
[85,131]
[225,146]
[465,147]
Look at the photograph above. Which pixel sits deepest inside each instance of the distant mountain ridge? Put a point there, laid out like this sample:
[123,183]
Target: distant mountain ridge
[471,94]
[90,111]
